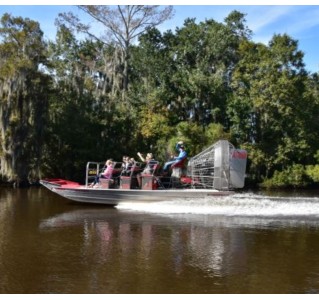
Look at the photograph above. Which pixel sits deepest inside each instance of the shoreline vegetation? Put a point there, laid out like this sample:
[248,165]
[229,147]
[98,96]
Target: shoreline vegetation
[87,97]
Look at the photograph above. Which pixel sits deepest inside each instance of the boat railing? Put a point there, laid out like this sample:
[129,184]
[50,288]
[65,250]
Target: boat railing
[92,169]
[132,178]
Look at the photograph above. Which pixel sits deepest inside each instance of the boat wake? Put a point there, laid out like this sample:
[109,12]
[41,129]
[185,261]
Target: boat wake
[234,205]
[242,209]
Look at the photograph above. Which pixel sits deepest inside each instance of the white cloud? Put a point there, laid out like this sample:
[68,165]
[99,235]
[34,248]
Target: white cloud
[305,20]
[260,17]
[297,21]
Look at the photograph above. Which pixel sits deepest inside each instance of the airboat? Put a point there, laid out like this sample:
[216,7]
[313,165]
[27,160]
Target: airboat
[219,170]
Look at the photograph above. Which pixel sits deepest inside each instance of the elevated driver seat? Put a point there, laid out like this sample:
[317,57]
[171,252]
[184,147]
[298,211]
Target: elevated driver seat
[178,169]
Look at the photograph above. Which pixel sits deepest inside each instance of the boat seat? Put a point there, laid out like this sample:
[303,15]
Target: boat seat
[106,183]
[179,164]
[178,170]
[155,169]
[150,181]
[130,181]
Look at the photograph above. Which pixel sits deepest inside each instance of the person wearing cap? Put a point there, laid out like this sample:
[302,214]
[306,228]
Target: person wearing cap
[182,155]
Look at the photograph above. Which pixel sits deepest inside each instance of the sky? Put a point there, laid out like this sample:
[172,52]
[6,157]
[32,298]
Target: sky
[299,20]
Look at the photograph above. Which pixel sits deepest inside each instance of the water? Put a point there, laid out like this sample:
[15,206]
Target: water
[246,243]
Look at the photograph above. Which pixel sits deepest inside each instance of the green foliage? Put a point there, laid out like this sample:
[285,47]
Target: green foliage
[191,134]
[195,137]
[313,172]
[215,132]
[153,125]
[268,107]
[293,176]
[74,100]
[24,92]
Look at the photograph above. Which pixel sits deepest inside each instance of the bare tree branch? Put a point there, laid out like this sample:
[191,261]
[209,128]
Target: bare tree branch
[123,24]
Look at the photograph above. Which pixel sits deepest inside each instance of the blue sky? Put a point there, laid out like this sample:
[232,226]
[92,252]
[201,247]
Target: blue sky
[301,22]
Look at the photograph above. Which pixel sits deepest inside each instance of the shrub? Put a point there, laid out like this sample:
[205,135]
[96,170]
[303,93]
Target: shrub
[293,176]
[313,172]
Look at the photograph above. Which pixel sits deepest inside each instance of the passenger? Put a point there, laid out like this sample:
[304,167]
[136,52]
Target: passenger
[107,173]
[126,166]
[124,159]
[182,155]
[132,161]
[150,163]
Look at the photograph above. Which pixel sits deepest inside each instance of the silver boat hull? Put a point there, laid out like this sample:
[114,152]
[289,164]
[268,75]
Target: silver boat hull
[114,197]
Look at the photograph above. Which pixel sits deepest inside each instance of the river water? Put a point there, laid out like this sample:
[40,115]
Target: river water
[246,243]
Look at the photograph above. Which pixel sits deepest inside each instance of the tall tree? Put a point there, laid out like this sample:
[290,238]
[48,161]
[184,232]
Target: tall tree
[268,108]
[195,67]
[23,97]
[123,24]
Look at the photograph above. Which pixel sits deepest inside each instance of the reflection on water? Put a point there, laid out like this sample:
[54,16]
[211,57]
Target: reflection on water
[214,251]
[246,243]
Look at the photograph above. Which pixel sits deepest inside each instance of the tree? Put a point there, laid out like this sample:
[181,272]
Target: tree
[24,94]
[199,60]
[268,108]
[84,116]
[184,77]
[124,24]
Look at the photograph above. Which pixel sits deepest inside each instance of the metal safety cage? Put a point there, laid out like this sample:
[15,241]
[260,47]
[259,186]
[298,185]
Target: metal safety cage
[212,168]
